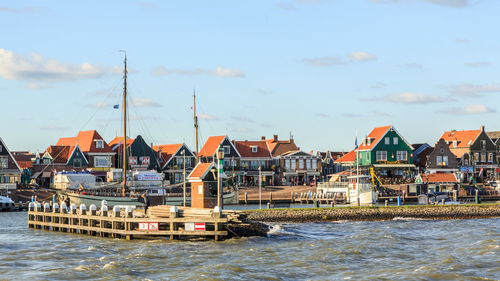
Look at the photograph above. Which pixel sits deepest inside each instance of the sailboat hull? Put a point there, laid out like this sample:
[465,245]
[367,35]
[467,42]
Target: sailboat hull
[230,198]
[88,200]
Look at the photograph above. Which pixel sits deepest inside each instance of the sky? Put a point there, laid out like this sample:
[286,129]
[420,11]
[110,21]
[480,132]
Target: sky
[321,70]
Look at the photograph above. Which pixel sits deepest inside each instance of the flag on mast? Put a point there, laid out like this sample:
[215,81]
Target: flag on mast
[356,141]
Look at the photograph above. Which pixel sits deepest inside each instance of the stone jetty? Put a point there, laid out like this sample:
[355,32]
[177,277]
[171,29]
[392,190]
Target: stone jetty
[375,213]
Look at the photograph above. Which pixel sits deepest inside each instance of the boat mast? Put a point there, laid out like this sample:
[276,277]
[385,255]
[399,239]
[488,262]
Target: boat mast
[124,127]
[195,124]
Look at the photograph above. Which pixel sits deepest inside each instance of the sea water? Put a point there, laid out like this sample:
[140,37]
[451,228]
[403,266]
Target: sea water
[399,249]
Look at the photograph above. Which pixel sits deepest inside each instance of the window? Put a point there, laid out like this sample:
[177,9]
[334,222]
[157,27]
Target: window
[441,150]
[99,144]
[445,161]
[454,143]
[103,161]
[77,163]
[132,160]
[46,161]
[313,165]
[254,149]
[294,163]
[301,164]
[145,160]
[395,140]
[402,156]
[466,162]
[476,156]
[4,162]
[387,140]
[483,157]
[308,164]
[490,157]
[287,164]
[439,160]
[483,144]
[381,155]
[227,149]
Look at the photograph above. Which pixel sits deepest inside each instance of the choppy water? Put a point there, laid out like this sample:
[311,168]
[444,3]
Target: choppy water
[389,250]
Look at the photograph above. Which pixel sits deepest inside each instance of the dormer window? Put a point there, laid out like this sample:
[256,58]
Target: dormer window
[99,144]
[454,143]
[387,140]
[254,149]
[227,149]
[369,141]
[395,140]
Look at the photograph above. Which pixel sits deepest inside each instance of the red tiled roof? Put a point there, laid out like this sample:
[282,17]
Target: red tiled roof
[278,147]
[118,140]
[439,178]
[375,135]
[86,142]
[25,164]
[211,146]
[463,138]
[245,149]
[349,157]
[167,150]
[199,170]
[60,153]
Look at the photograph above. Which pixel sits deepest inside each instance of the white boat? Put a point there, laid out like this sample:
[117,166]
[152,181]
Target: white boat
[361,190]
[6,204]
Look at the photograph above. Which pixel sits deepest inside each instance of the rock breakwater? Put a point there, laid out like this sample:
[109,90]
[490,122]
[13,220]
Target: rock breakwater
[375,213]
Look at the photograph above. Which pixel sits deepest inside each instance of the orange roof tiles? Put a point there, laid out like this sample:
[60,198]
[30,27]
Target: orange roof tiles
[463,138]
[376,134]
[439,178]
[167,150]
[278,147]
[349,157]
[118,140]
[86,142]
[60,153]
[211,145]
[245,149]
[200,170]
[25,164]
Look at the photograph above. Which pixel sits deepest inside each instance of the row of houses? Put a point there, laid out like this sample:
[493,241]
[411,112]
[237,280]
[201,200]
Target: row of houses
[474,154]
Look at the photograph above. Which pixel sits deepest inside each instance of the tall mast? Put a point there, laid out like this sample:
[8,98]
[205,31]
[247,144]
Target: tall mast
[195,124]
[124,127]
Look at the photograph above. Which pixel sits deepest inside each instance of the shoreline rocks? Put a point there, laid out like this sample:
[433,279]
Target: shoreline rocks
[375,213]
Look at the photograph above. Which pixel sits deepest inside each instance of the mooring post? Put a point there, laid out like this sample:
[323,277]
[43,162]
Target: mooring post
[103,223]
[217,215]
[246,198]
[174,213]
[455,195]
[271,197]
[386,202]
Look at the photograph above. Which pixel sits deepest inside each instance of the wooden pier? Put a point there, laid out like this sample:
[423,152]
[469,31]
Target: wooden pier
[124,223]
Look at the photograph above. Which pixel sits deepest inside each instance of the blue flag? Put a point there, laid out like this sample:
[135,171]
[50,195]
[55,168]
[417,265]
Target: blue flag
[116,106]
[356,141]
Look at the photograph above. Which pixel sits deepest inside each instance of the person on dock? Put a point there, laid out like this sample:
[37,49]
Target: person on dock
[145,200]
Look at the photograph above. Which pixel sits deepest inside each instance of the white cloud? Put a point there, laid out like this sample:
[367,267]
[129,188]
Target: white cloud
[218,71]
[477,64]
[410,98]
[472,90]
[207,117]
[324,61]
[144,102]
[361,56]
[451,3]
[36,86]
[36,68]
[468,110]
[21,10]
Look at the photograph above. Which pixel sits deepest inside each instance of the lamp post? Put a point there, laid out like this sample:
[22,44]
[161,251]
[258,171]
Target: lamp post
[220,157]
[184,174]
[260,190]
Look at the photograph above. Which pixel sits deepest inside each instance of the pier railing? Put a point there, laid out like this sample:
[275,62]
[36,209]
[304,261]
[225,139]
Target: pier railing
[122,223]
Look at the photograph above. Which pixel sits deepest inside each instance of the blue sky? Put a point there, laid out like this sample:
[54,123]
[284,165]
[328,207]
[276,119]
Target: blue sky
[319,69]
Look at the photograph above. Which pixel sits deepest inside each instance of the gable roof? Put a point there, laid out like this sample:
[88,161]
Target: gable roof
[278,147]
[10,154]
[439,178]
[494,136]
[86,141]
[376,135]
[210,146]
[167,151]
[349,157]
[119,140]
[464,138]
[200,170]
[59,153]
[245,149]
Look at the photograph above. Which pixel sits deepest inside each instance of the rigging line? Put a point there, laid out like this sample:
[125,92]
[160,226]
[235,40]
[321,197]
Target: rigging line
[142,123]
[99,107]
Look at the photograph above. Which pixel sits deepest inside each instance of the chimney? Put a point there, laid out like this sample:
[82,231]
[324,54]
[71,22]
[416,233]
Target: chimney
[275,138]
[263,138]
[482,128]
